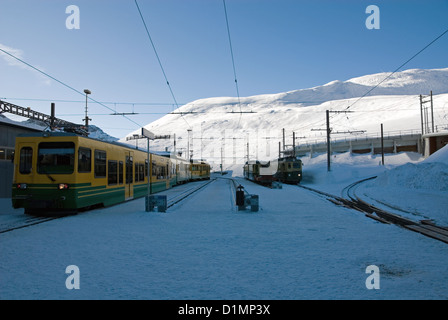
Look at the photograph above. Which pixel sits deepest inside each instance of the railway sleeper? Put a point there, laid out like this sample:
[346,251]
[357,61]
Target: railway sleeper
[427,232]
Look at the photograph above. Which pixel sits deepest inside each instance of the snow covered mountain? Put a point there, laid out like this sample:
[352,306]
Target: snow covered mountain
[94,131]
[222,127]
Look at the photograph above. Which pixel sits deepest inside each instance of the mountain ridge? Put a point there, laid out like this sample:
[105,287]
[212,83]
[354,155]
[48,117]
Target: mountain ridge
[210,124]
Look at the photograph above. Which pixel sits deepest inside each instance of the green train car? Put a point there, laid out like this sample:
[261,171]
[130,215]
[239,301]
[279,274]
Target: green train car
[56,172]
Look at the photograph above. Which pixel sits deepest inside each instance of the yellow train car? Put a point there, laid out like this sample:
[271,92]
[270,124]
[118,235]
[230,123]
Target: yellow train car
[289,170]
[180,170]
[64,172]
[200,170]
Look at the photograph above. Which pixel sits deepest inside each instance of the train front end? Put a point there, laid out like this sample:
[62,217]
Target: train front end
[44,176]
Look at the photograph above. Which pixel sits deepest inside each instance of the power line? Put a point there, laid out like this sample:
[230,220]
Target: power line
[157,56]
[231,53]
[429,44]
[155,104]
[60,82]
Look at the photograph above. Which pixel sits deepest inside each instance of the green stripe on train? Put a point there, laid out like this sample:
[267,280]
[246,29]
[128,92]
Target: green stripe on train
[47,196]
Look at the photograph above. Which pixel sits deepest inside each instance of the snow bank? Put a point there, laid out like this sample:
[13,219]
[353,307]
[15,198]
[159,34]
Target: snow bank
[439,156]
[417,189]
[431,174]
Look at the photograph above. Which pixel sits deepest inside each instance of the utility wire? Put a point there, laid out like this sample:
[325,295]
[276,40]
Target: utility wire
[390,75]
[231,53]
[158,59]
[154,104]
[62,83]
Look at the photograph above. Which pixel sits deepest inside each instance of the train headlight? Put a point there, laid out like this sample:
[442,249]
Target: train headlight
[22,186]
[62,186]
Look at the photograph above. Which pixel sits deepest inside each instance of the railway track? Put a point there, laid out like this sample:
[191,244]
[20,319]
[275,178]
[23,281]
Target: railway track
[186,193]
[27,222]
[349,199]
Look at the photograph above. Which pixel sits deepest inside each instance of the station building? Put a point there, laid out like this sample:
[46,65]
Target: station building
[8,133]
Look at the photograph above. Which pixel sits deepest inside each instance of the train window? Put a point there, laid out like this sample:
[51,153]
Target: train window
[120,172]
[100,164]
[26,160]
[84,160]
[154,169]
[296,165]
[141,171]
[56,157]
[136,172]
[146,168]
[2,153]
[129,163]
[112,177]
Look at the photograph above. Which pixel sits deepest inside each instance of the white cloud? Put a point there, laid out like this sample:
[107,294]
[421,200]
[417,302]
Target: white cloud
[10,60]
[16,63]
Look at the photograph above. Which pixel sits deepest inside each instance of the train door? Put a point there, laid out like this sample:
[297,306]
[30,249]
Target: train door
[24,157]
[168,175]
[129,165]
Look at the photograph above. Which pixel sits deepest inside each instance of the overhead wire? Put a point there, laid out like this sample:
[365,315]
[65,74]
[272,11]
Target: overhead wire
[62,83]
[401,66]
[158,58]
[155,104]
[233,59]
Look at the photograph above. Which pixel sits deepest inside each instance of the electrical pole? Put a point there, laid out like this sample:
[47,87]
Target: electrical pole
[294,144]
[53,112]
[421,113]
[188,145]
[283,139]
[86,119]
[328,129]
[432,113]
[382,145]
[328,142]
[424,114]
[221,160]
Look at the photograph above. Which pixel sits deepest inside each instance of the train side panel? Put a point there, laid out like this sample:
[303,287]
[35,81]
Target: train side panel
[160,173]
[65,173]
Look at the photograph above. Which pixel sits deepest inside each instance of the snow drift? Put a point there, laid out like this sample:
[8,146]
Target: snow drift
[431,174]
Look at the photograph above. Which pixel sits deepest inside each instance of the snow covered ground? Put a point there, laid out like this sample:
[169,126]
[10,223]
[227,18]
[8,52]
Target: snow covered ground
[298,246]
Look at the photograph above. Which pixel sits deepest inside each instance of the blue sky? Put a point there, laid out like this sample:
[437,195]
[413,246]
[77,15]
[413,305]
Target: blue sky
[278,46]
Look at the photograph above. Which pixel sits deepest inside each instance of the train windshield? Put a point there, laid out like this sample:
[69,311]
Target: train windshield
[56,157]
[296,165]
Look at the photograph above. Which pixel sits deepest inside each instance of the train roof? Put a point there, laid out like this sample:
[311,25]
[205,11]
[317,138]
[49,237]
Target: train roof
[70,134]
[121,144]
[289,158]
[263,163]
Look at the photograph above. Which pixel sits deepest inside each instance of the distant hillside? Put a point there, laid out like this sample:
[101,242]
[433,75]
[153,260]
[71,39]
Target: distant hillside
[219,129]
[95,132]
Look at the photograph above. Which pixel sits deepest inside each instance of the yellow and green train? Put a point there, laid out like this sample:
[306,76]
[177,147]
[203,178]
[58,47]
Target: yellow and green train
[56,172]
